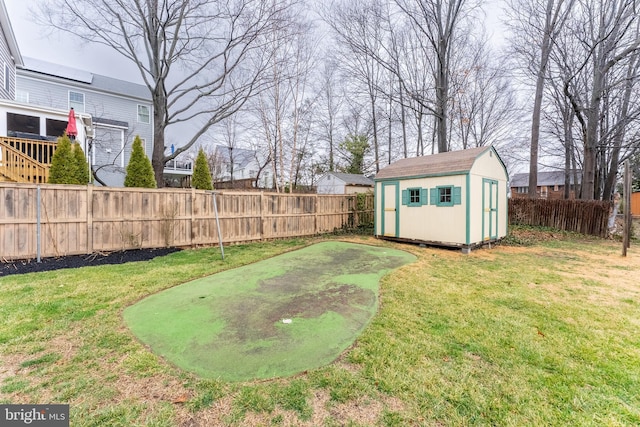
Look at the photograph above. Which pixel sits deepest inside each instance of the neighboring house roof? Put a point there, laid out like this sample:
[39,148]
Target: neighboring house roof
[352,179]
[9,35]
[544,179]
[448,163]
[85,78]
[241,157]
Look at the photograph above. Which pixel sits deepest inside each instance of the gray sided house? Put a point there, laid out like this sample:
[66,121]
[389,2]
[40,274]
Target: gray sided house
[344,183]
[120,111]
[9,56]
[453,199]
[239,165]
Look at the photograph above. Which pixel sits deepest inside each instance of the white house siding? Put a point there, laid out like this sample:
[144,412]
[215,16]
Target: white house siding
[54,92]
[442,224]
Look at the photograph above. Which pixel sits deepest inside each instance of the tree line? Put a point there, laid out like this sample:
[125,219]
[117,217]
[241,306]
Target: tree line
[315,86]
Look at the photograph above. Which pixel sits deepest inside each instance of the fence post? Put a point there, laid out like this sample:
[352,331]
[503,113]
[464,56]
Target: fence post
[262,216]
[193,213]
[315,215]
[89,219]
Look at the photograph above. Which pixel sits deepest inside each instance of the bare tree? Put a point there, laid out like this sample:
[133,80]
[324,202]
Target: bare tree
[609,35]
[358,29]
[535,24]
[438,22]
[191,54]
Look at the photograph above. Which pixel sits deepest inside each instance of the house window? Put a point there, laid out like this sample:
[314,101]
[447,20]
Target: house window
[414,196]
[143,114]
[7,80]
[555,187]
[446,195]
[76,101]
[55,127]
[523,190]
[22,96]
[18,124]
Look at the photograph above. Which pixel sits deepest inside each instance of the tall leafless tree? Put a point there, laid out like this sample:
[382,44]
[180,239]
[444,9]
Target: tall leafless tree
[191,54]
[535,24]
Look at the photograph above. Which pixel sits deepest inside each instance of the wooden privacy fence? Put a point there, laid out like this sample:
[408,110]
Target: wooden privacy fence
[582,216]
[71,220]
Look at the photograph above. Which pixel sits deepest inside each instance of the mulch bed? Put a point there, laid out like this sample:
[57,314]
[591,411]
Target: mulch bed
[48,264]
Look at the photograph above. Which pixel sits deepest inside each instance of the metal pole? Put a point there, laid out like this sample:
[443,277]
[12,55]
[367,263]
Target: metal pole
[215,209]
[38,198]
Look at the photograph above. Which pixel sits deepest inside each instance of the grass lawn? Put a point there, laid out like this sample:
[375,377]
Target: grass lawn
[540,332]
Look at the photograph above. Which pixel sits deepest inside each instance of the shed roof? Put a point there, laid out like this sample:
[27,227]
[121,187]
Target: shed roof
[352,179]
[544,178]
[449,163]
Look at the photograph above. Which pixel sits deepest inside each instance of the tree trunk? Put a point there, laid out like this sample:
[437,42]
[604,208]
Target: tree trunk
[159,119]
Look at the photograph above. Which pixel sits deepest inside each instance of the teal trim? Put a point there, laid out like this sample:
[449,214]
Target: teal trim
[468,207]
[494,216]
[424,196]
[397,209]
[396,205]
[434,196]
[405,197]
[375,211]
[456,195]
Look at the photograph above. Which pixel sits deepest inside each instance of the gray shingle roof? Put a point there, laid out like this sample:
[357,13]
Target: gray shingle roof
[353,179]
[544,179]
[447,163]
[87,79]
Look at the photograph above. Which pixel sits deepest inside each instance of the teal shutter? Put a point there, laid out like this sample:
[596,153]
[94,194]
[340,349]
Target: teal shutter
[405,197]
[456,195]
[424,196]
[434,196]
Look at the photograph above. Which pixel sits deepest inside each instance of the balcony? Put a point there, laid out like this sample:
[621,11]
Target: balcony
[25,160]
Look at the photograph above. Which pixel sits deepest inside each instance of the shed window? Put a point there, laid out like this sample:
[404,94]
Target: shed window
[446,195]
[414,196]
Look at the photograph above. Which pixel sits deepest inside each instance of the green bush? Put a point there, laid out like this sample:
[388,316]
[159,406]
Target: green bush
[201,173]
[63,165]
[82,166]
[139,170]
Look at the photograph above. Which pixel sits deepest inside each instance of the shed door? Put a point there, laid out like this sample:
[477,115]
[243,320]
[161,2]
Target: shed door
[489,209]
[390,209]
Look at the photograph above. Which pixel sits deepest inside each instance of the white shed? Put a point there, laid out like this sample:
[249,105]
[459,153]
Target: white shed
[454,199]
[344,183]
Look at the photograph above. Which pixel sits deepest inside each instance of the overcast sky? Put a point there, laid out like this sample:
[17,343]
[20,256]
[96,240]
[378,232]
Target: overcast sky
[60,48]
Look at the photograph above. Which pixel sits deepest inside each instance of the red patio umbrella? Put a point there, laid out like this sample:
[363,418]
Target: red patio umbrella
[72,130]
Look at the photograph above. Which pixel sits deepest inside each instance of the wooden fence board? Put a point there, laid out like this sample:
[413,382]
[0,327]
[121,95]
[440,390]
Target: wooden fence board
[86,219]
[582,216]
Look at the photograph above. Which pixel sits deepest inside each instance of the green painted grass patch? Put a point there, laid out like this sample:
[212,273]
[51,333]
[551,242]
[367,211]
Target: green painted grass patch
[277,317]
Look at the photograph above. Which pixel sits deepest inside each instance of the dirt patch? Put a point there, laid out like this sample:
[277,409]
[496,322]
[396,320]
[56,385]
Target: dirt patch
[75,261]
